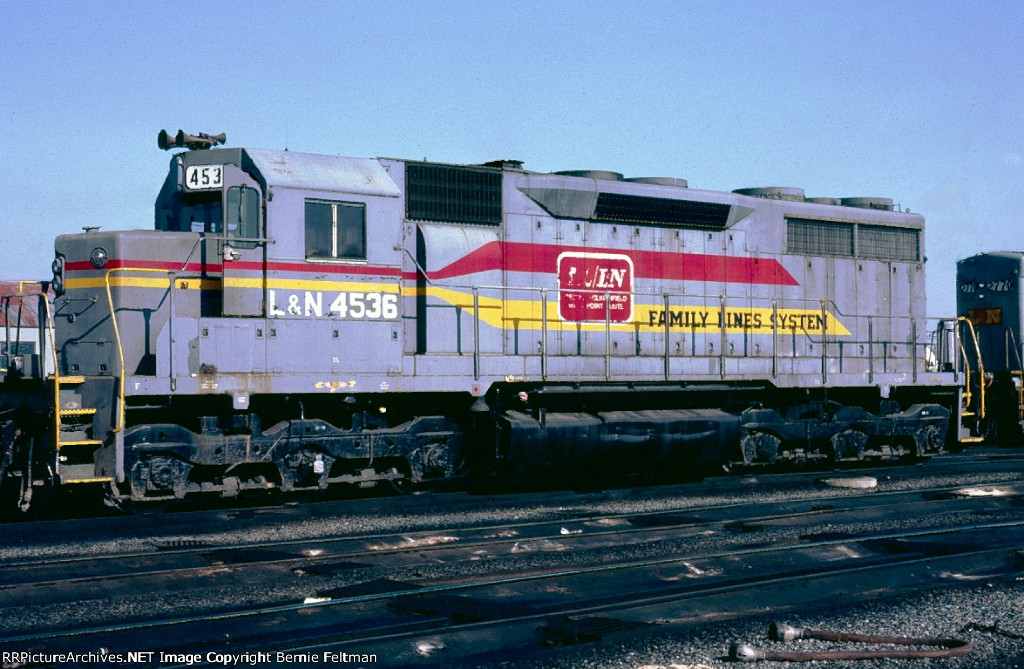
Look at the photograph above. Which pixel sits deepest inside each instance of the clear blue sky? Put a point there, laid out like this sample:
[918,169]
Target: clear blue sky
[917,101]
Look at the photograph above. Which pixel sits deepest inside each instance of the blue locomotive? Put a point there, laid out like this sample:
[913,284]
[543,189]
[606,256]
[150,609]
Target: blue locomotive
[989,311]
[295,321]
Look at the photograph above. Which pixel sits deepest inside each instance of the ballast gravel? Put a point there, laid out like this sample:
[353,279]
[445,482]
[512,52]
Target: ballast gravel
[989,614]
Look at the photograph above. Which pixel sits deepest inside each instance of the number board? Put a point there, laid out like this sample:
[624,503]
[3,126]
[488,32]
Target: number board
[200,177]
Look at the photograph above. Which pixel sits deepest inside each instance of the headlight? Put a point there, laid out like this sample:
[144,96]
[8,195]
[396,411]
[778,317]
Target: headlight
[58,275]
[98,257]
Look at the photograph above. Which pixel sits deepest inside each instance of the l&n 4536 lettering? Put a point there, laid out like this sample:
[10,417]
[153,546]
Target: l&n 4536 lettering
[312,304]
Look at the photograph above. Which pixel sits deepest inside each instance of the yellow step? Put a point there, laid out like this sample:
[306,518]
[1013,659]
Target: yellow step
[81,473]
[76,412]
[81,442]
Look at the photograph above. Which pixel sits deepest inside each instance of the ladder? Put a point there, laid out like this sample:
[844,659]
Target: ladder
[971,420]
[73,423]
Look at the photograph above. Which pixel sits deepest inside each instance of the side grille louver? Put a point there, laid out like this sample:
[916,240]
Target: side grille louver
[636,209]
[661,211]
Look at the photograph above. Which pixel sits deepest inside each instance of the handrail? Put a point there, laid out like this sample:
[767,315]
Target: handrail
[668,349]
[56,372]
[53,340]
[607,336]
[913,348]
[968,395]
[1019,372]
[967,369]
[825,307]
[422,271]
[722,337]
[1016,351]
[544,334]
[476,334]
[824,343]
[775,338]
[7,328]
[117,332]
[18,327]
[771,306]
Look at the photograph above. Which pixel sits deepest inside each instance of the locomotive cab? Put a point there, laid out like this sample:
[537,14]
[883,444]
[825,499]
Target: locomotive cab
[213,196]
[229,302]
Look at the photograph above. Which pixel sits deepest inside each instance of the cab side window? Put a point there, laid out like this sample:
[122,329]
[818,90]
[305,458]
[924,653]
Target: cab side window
[243,216]
[335,230]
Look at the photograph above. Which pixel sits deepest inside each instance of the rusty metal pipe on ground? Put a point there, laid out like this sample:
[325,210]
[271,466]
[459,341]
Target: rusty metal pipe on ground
[742,652]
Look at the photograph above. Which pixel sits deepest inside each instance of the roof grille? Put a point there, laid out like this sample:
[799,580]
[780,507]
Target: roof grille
[454,194]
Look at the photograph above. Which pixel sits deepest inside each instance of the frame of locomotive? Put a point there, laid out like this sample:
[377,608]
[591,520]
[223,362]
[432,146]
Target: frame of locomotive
[298,320]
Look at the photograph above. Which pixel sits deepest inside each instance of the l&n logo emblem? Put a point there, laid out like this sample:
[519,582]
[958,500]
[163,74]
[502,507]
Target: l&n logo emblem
[595,286]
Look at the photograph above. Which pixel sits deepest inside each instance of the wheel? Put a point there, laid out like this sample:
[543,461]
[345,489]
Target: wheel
[929,440]
[759,447]
[849,445]
[158,475]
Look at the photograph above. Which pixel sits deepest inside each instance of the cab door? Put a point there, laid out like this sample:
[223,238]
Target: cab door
[244,247]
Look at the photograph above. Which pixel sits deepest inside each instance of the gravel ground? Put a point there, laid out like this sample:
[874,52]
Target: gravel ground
[497,510]
[943,613]
[987,614]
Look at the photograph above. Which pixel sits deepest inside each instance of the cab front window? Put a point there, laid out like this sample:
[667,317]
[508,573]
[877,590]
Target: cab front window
[195,212]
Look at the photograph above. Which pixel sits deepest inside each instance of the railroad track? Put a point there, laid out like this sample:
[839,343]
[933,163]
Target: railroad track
[418,597]
[438,619]
[187,561]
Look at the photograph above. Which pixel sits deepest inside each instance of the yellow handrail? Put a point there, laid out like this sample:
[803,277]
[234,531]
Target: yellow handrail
[967,368]
[117,336]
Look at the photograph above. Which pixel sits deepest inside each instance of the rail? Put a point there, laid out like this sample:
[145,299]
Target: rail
[716,327]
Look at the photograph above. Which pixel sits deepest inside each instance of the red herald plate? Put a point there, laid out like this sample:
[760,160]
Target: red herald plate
[585,280]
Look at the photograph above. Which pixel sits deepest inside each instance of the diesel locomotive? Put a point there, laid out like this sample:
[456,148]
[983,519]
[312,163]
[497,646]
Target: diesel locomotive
[295,321]
[989,310]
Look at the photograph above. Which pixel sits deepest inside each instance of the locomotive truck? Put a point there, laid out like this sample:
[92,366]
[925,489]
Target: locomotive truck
[295,321]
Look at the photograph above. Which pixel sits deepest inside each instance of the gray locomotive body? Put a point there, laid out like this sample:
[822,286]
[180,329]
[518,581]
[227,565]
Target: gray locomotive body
[298,320]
